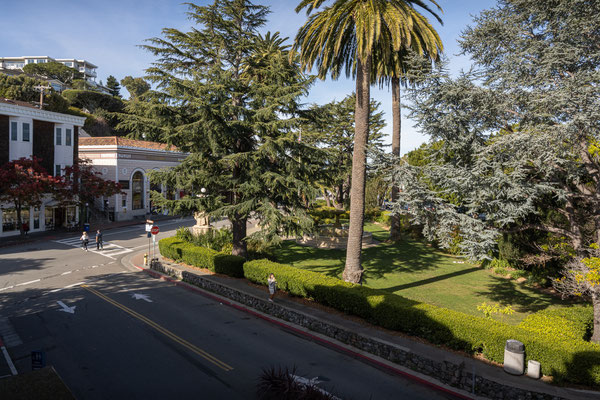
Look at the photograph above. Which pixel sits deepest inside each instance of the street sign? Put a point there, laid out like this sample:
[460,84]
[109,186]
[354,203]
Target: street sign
[38,359]
[149,224]
[149,234]
[154,230]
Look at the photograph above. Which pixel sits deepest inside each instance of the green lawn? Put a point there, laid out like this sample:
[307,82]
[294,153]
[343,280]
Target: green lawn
[419,272]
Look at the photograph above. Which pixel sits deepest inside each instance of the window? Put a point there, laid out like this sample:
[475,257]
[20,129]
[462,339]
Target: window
[67,137]
[124,201]
[137,191]
[14,134]
[9,219]
[57,170]
[49,217]
[36,218]
[25,132]
[58,136]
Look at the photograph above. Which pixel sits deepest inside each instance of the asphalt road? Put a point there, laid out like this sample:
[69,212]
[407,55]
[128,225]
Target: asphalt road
[114,333]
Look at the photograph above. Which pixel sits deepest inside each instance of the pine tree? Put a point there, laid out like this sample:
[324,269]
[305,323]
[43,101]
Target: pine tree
[113,86]
[229,97]
[331,127]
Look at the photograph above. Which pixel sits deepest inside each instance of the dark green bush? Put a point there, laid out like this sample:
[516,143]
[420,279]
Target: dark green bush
[201,257]
[371,214]
[327,215]
[216,239]
[92,100]
[572,360]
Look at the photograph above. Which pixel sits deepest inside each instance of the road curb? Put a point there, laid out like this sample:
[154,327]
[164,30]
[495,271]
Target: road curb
[316,337]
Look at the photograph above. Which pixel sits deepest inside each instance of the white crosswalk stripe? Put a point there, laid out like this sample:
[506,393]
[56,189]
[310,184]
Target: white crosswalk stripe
[110,249]
[8,333]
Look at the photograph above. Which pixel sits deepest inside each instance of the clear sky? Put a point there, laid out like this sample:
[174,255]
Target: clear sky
[107,33]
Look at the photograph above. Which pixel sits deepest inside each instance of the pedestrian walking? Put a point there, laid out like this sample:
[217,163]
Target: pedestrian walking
[84,240]
[272,286]
[99,245]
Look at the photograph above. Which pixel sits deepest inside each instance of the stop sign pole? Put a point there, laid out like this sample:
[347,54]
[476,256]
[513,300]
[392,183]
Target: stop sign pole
[149,224]
[154,231]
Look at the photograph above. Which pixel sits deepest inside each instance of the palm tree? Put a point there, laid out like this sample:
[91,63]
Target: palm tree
[425,42]
[345,36]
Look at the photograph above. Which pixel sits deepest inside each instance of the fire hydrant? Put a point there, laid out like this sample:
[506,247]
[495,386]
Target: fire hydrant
[145,259]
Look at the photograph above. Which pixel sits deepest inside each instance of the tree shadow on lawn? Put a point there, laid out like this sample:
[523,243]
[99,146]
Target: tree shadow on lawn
[405,256]
[430,280]
[523,299]
[333,260]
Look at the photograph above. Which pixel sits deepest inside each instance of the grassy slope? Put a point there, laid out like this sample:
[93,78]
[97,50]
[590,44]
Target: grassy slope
[419,272]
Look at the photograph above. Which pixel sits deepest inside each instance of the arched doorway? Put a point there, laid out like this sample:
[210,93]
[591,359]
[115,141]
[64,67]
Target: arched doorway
[137,191]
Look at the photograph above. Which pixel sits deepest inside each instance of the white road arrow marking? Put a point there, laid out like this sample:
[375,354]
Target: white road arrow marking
[66,308]
[144,297]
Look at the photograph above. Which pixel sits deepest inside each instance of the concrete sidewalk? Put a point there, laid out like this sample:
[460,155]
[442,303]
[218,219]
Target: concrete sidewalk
[445,370]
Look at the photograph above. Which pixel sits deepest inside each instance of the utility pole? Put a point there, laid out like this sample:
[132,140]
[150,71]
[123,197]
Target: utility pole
[42,89]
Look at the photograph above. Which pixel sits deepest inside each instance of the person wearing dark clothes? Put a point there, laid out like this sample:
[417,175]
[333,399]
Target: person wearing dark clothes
[99,245]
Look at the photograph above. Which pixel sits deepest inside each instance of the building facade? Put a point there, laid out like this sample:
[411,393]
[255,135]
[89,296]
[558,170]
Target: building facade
[27,131]
[85,67]
[128,162]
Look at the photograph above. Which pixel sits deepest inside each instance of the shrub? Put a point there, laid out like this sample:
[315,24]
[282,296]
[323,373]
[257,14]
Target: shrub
[572,360]
[327,215]
[570,323]
[384,218]
[216,239]
[201,257]
[372,214]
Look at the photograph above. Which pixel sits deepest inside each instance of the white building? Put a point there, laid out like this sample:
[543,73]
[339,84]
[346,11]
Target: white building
[27,131]
[128,162]
[85,67]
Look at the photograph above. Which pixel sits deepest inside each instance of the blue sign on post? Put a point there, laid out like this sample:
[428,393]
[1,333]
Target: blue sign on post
[86,227]
[38,359]
[149,235]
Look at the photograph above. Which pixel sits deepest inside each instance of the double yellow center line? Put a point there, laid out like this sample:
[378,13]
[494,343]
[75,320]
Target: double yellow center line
[164,331]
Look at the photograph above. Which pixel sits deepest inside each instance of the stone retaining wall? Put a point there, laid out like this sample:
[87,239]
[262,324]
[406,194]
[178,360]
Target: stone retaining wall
[444,371]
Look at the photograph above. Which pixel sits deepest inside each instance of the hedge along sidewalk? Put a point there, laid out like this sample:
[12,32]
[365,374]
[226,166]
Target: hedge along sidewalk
[441,366]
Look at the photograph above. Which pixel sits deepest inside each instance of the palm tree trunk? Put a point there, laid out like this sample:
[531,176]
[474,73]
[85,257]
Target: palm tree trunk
[353,269]
[396,135]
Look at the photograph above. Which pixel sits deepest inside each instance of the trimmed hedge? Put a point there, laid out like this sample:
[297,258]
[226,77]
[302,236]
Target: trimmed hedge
[572,323]
[572,360]
[202,257]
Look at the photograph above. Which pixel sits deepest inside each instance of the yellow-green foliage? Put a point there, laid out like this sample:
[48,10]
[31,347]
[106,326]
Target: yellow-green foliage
[201,257]
[572,360]
[572,323]
[490,309]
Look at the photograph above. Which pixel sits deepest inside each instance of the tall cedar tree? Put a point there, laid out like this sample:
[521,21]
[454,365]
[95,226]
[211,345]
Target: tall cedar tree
[24,183]
[518,135]
[331,127]
[229,97]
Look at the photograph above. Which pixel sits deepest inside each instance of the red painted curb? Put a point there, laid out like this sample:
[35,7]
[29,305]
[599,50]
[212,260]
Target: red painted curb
[304,333]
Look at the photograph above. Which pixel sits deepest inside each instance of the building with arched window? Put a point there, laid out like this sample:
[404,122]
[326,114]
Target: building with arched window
[128,162]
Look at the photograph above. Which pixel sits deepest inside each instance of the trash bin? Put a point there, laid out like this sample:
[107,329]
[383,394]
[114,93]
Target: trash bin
[533,369]
[86,227]
[514,357]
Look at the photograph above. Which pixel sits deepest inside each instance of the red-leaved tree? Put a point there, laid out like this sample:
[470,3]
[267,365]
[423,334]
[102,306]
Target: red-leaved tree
[24,183]
[84,185]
